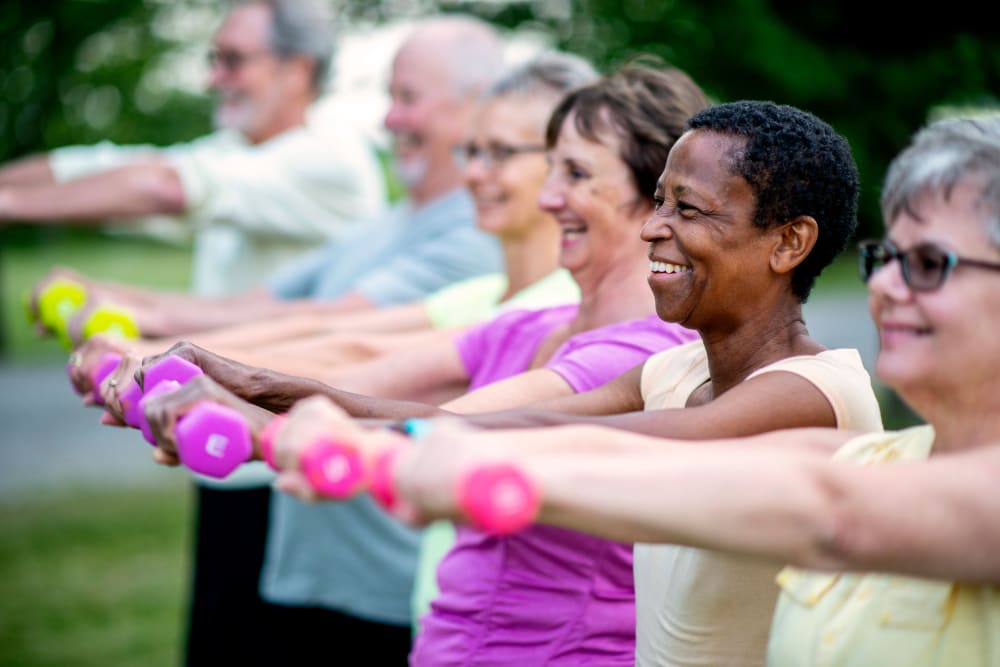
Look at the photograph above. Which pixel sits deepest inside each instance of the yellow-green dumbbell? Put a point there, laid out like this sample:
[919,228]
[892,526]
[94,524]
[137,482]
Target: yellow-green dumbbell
[109,319]
[57,303]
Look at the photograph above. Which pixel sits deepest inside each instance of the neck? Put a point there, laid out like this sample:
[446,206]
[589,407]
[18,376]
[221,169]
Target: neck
[436,182]
[963,418]
[291,115]
[530,257]
[616,296]
[737,349]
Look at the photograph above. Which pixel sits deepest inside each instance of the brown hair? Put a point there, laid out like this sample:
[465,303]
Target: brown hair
[647,106]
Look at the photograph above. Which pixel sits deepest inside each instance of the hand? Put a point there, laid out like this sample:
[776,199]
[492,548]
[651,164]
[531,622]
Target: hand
[460,473]
[164,411]
[317,419]
[83,362]
[230,374]
[55,274]
[114,386]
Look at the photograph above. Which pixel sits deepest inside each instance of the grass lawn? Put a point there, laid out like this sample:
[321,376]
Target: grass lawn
[94,578]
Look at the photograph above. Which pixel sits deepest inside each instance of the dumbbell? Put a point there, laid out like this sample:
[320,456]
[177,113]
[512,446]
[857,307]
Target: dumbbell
[334,470]
[57,302]
[109,319]
[498,498]
[166,375]
[213,439]
[105,366]
[62,298]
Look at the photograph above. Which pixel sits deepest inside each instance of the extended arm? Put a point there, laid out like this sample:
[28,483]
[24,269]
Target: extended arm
[746,409]
[31,170]
[143,188]
[776,495]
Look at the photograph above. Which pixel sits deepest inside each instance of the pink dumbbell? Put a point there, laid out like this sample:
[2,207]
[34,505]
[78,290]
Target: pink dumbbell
[213,439]
[105,366]
[333,469]
[497,498]
[162,377]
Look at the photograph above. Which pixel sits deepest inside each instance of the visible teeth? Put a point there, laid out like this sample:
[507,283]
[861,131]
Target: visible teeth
[665,267]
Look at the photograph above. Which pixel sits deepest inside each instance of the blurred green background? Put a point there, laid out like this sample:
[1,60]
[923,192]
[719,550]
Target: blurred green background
[96,577]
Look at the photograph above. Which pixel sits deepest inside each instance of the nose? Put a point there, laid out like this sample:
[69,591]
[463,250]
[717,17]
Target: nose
[656,227]
[475,170]
[887,282]
[395,116]
[551,197]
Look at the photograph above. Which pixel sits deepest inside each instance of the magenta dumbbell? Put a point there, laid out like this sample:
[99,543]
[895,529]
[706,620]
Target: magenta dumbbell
[333,469]
[213,439]
[497,498]
[162,377]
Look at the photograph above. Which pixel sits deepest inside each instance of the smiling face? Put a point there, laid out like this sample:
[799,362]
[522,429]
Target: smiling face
[506,192]
[591,193]
[248,79]
[709,264]
[427,116]
[943,339]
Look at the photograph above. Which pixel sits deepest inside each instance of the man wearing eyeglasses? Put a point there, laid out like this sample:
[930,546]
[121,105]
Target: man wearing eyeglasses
[269,184]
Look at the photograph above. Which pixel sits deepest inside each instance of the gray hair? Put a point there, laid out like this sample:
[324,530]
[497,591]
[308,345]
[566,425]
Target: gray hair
[301,28]
[473,48]
[550,72]
[941,155]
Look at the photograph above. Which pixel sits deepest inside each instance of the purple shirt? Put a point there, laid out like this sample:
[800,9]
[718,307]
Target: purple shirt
[545,595]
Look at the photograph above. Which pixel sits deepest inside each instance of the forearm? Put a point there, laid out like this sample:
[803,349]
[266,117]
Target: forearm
[132,191]
[180,315]
[28,171]
[722,494]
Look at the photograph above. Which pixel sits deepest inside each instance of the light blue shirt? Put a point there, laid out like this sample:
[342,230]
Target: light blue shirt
[351,556]
[398,258]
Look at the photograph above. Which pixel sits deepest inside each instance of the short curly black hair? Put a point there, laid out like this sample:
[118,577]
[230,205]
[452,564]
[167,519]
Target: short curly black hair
[796,165]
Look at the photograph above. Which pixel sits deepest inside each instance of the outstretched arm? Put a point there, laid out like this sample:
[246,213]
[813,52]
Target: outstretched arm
[746,409]
[143,188]
[32,170]
[776,495]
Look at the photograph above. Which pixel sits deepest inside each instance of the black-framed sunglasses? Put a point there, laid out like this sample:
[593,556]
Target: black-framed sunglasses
[492,154]
[925,266]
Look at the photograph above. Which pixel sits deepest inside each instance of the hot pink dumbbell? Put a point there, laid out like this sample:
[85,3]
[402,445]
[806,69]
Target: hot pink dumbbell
[162,377]
[213,440]
[105,366]
[333,469]
[497,498]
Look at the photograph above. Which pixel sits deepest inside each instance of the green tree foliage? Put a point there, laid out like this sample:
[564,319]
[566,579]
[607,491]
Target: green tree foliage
[74,71]
[874,79]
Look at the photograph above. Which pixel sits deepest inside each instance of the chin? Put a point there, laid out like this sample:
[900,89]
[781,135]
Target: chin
[410,171]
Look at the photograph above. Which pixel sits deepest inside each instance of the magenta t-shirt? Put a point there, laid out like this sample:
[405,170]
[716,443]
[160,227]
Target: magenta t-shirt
[544,595]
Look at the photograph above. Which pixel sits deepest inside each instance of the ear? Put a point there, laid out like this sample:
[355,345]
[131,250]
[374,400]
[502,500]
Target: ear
[299,73]
[796,240]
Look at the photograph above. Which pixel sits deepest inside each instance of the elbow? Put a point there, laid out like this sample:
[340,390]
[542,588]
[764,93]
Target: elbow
[161,186]
[839,536]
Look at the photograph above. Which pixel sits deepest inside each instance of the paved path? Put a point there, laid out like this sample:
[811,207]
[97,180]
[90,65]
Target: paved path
[47,438]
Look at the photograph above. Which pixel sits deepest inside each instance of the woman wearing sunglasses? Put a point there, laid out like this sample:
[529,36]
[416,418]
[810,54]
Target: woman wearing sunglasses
[893,540]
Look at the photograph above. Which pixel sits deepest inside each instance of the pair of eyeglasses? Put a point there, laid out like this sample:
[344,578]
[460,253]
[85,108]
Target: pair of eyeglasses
[925,266]
[232,60]
[492,154]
